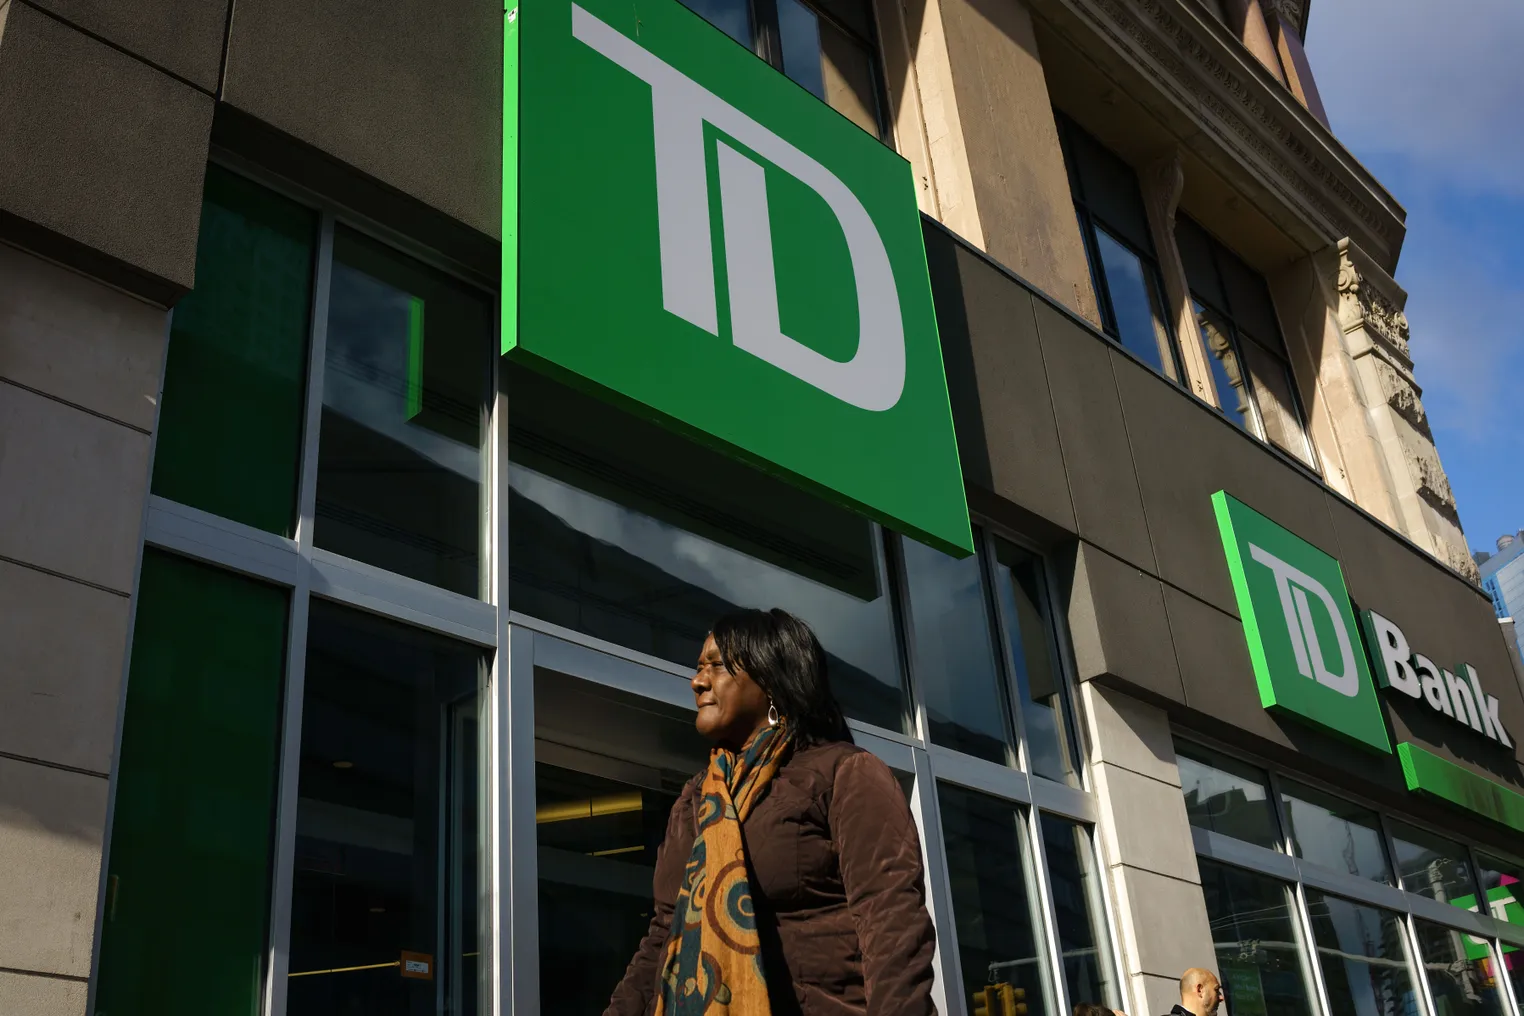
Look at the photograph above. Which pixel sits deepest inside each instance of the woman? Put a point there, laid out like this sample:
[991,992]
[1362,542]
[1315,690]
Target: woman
[790,877]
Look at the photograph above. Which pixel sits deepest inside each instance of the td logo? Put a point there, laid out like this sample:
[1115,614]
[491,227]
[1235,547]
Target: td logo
[691,234]
[874,377]
[1300,627]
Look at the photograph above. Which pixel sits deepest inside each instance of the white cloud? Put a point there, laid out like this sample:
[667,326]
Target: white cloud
[1437,82]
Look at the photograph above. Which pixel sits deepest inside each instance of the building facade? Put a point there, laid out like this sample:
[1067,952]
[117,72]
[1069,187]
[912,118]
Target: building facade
[347,656]
[1502,576]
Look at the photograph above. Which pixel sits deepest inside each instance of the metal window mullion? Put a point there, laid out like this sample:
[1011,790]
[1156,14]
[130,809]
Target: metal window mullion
[1069,700]
[1278,807]
[1005,664]
[1047,912]
[890,567]
[1389,848]
[1310,949]
[895,563]
[924,807]
[1415,961]
[283,876]
[1511,1001]
[497,922]
[517,866]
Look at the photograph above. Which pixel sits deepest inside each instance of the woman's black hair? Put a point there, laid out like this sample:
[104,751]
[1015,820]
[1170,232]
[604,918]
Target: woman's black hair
[782,654]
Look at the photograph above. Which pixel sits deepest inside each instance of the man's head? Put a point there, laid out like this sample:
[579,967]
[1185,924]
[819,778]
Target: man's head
[1200,991]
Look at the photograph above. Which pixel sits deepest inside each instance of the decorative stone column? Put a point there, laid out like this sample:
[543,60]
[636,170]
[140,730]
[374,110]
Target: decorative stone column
[1376,336]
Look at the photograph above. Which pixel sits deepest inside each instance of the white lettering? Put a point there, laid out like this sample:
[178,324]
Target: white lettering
[1487,709]
[1292,585]
[1460,694]
[1433,685]
[874,379]
[1393,646]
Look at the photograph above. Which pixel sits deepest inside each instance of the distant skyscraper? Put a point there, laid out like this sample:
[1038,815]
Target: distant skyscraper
[1502,576]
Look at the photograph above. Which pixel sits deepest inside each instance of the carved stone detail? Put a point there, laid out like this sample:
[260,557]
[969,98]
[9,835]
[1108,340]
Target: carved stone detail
[1292,10]
[1402,394]
[1361,303]
[1254,123]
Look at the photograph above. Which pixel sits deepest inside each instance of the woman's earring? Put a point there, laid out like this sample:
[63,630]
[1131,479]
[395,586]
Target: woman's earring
[772,714]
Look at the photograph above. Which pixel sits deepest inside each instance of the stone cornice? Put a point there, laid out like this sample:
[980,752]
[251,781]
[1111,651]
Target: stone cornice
[1204,75]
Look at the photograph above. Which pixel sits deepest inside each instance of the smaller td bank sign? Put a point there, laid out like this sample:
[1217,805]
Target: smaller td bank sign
[1308,655]
[692,235]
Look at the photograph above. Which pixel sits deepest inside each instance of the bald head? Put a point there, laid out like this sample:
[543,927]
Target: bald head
[1200,992]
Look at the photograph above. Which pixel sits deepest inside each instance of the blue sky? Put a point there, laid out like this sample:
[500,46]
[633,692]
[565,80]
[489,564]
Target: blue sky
[1430,97]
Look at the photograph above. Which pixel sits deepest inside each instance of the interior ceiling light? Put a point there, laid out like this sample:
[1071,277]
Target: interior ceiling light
[343,764]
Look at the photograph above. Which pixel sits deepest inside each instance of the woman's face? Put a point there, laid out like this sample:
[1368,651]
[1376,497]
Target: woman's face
[731,706]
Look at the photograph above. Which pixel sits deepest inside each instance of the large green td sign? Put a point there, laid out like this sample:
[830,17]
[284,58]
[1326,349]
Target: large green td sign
[688,232]
[1303,641]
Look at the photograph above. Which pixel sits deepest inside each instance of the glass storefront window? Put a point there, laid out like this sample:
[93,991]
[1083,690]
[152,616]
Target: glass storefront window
[1259,949]
[1432,866]
[230,424]
[1502,883]
[405,381]
[1077,913]
[955,663]
[196,784]
[1226,796]
[1364,961]
[609,569]
[993,897]
[1460,971]
[1021,588]
[1335,833]
[388,855]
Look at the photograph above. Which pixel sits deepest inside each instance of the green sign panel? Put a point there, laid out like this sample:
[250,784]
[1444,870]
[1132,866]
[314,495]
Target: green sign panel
[689,233]
[1303,640]
[1427,773]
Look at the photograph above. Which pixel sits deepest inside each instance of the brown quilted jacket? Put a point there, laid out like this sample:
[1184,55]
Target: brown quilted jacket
[839,894]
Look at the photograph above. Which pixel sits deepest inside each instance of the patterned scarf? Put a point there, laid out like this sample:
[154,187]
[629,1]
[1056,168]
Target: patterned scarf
[714,961]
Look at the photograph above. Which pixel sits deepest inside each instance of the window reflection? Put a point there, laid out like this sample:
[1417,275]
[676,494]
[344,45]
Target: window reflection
[956,666]
[1273,387]
[1502,883]
[1227,372]
[1226,796]
[851,87]
[1459,970]
[799,36]
[1432,866]
[1020,585]
[992,897]
[1259,949]
[1330,831]
[1364,962]
[1135,305]
[1077,913]
[596,566]
[406,374]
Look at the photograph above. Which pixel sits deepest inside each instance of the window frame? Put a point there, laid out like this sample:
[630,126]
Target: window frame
[1236,337]
[1090,224]
[767,46]
[1409,906]
[518,644]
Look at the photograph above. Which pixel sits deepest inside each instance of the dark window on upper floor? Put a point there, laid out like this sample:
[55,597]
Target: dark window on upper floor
[826,46]
[1123,266]
[1250,367]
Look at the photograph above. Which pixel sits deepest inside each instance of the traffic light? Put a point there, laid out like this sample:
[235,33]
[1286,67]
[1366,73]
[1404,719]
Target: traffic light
[1000,1000]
